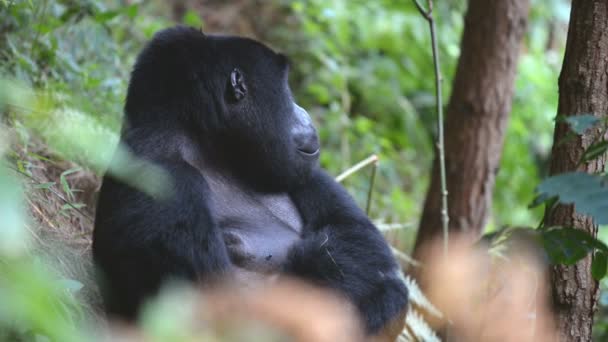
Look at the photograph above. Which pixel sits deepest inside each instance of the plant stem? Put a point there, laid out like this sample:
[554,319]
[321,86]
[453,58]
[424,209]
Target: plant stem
[371,187]
[371,159]
[428,15]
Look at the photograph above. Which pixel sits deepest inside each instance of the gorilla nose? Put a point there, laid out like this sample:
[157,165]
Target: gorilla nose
[307,142]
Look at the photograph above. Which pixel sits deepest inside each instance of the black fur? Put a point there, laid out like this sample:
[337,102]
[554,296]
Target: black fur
[225,102]
[342,249]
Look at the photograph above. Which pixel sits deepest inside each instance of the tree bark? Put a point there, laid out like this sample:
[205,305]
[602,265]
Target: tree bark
[583,89]
[476,118]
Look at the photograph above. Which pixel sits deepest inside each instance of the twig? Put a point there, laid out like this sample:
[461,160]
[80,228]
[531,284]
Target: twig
[392,226]
[371,187]
[42,215]
[39,15]
[405,258]
[371,159]
[428,15]
[33,233]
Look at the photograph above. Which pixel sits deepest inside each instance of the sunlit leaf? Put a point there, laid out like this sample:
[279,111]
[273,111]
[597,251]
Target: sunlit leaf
[131,11]
[191,18]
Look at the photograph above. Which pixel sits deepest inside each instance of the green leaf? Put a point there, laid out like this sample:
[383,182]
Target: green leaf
[41,338]
[64,182]
[581,123]
[588,193]
[191,18]
[131,11]
[46,185]
[543,199]
[599,265]
[595,150]
[569,245]
[39,157]
[69,206]
[106,16]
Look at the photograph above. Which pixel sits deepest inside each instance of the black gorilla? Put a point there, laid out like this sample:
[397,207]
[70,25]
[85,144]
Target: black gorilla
[249,199]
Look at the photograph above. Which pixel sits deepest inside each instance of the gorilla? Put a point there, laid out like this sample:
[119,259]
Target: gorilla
[248,198]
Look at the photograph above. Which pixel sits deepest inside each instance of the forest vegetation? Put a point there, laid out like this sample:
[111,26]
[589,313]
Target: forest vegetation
[524,91]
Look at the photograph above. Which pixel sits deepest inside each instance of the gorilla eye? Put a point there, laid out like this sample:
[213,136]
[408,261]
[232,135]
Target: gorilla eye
[237,83]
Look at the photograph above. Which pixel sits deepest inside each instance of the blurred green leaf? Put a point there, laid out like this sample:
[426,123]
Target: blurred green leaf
[64,182]
[588,193]
[13,237]
[599,265]
[46,185]
[106,16]
[131,11]
[581,123]
[31,299]
[595,150]
[541,199]
[569,245]
[68,206]
[191,18]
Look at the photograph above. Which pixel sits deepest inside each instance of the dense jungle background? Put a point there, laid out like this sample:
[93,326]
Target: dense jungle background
[363,70]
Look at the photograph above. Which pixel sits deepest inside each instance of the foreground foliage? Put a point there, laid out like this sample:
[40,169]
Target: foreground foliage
[363,69]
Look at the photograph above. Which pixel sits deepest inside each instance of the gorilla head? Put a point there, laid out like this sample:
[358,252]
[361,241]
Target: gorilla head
[232,97]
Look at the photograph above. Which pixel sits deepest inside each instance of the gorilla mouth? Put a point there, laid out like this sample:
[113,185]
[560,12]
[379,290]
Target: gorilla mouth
[309,153]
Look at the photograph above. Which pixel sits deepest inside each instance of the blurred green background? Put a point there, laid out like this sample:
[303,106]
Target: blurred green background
[363,69]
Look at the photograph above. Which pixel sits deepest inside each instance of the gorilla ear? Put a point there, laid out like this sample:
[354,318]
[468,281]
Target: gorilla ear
[237,83]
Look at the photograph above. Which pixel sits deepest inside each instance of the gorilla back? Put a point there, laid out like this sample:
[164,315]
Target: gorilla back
[248,198]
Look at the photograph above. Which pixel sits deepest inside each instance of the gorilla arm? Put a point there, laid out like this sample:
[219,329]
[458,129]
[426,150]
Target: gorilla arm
[140,242]
[343,250]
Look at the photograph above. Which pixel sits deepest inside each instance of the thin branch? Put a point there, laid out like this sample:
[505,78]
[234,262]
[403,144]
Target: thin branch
[384,227]
[39,15]
[41,213]
[405,258]
[371,159]
[371,187]
[428,15]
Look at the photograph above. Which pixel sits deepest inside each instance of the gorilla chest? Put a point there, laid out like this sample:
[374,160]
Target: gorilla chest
[258,229]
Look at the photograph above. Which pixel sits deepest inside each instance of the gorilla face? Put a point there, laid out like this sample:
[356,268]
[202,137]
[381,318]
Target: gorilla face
[273,137]
[232,94]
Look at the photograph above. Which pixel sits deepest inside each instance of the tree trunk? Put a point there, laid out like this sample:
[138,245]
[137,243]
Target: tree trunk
[477,117]
[583,89]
